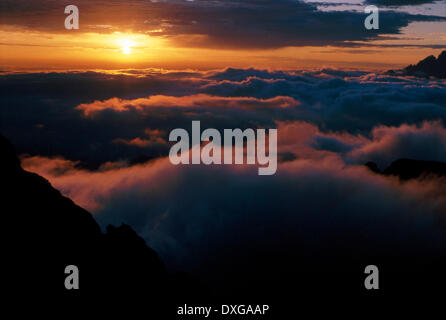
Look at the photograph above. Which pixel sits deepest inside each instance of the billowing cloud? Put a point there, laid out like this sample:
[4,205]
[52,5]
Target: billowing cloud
[129,114]
[192,102]
[198,217]
[102,139]
[425,142]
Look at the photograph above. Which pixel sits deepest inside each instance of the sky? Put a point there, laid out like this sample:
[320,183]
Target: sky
[201,34]
[91,111]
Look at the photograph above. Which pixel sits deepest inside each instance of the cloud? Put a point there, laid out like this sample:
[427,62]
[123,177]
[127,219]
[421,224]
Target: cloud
[44,105]
[425,142]
[351,102]
[54,168]
[219,24]
[128,114]
[155,137]
[198,217]
[192,102]
[101,138]
[140,142]
[395,3]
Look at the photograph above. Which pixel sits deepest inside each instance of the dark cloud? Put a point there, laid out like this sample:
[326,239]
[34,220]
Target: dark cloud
[338,101]
[220,24]
[331,144]
[42,106]
[394,3]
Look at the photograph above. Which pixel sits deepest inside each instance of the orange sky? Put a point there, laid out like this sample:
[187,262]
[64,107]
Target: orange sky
[22,48]
[37,50]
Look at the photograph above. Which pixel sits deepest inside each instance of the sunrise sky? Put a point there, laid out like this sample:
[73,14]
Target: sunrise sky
[91,111]
[199,34]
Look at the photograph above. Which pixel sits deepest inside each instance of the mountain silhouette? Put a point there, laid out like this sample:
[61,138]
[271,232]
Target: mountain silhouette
[407,169]
[428,67]
[47,232]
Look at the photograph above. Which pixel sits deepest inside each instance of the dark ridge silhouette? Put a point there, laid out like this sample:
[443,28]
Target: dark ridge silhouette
[407,169]
[373,167]
[428,67]
[47,232]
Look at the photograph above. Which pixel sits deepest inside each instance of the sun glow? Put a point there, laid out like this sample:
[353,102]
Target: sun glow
[126,46]
[26,49]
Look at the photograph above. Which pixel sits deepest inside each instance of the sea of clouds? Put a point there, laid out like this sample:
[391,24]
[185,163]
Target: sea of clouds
[101,138]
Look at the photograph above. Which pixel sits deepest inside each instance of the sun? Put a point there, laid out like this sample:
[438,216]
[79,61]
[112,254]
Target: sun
[126,46]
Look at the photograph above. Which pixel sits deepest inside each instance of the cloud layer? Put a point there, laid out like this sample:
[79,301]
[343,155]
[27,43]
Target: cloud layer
[106,149]
[212,220]
[219,24]
[128,115]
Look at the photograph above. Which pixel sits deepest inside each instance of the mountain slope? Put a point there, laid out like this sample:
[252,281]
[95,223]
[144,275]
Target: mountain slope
[45,232]
[428,67]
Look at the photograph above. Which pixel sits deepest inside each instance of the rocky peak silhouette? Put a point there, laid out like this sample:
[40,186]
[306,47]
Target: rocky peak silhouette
[47,232]
[428,67]
[407,169]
